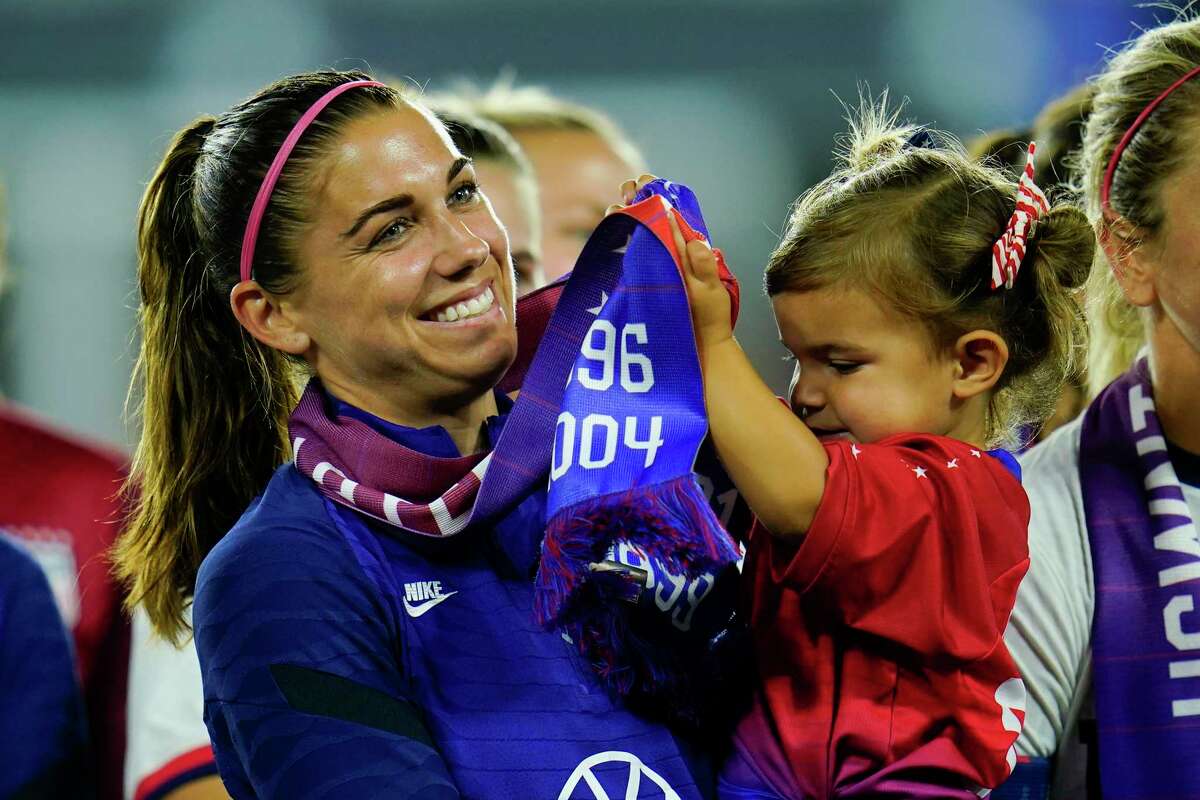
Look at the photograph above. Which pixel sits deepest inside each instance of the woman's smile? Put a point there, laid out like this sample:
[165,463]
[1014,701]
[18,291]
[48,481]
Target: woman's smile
[468,306]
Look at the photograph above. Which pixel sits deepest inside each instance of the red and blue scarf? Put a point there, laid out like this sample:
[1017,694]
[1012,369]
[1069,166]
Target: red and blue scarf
[611,408]
[628,518]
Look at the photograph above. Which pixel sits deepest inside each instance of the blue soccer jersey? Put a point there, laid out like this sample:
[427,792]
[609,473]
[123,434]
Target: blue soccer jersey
[42,734]
[342,658]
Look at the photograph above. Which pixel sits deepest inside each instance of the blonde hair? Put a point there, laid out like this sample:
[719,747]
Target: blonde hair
[1003,149]
[1133,79]
[915,224]
[1058,130]
[476,136]
[214,400]
[532,108]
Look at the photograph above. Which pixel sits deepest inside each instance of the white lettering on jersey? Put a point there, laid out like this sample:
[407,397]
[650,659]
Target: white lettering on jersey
[1011,698]
[637,771]
[420,596]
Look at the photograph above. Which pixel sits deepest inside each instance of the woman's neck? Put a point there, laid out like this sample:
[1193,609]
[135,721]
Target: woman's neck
[463,421]
[1175,373]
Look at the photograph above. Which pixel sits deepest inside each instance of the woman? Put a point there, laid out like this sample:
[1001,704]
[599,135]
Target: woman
[168,754]
[1105,613]
[362,631]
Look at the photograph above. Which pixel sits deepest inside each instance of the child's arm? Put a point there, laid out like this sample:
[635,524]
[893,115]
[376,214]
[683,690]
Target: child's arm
[772,457]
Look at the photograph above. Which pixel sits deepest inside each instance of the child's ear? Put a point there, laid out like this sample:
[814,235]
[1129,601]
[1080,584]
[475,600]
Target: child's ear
[1125,250]
[981,356]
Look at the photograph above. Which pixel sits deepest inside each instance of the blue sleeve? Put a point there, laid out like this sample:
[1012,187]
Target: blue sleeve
[303,689]
[42,733]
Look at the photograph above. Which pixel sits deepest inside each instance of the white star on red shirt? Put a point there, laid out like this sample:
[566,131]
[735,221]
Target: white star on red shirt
[952,464]
[854,450]
[919,471]
[976,454]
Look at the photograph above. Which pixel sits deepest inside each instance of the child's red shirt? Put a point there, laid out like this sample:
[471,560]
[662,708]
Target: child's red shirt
[879,635]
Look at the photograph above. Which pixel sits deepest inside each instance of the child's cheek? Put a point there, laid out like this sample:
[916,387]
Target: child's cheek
[860,416]
[872,412]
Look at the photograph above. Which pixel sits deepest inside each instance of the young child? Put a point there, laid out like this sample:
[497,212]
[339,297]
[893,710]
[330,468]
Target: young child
[927,303]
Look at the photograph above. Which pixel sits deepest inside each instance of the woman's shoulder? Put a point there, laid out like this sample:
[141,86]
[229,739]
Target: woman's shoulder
[287,585]
[1056,459]
[284,546]
[1051,479]
[288,519]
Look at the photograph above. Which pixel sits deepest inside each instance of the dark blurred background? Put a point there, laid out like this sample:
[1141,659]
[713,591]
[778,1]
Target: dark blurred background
[738,99]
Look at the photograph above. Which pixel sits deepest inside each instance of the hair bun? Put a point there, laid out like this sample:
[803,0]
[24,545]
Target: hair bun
[1065,245]
[877,135]
[869,147]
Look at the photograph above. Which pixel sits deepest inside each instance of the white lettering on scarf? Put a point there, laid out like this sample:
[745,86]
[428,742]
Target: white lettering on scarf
[1180,539]
[591,443]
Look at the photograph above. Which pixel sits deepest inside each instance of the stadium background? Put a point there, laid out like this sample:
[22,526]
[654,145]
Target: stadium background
[739,99]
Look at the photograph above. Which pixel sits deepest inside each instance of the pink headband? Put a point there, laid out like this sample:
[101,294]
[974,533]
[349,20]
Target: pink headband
[285,150]
[1106,187]
[1009,250]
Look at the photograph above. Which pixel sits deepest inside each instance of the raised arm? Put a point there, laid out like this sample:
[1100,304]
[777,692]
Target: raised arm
[776,462]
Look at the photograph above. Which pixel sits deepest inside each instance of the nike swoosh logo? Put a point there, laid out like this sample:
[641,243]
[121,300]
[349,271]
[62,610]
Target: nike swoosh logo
[417,610]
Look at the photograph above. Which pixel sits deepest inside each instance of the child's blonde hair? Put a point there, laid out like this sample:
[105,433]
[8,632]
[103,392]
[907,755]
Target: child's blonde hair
[914,224]
[1134,77]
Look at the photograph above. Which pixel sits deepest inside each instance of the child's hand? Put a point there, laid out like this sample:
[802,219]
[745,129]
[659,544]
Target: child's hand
[629,190]
[708,296]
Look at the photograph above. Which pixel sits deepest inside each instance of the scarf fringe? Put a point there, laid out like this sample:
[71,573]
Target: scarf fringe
[635,646]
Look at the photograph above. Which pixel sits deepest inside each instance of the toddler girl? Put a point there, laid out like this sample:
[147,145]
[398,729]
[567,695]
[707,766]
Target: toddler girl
[927,304]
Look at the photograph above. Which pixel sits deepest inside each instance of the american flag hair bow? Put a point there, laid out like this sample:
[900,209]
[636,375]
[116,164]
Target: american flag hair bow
[1009,250]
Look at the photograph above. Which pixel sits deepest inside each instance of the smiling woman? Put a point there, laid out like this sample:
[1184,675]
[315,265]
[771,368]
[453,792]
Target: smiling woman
[363,629]
[407,294]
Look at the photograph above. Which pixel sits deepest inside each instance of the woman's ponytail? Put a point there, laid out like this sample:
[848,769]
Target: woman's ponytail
[213,402]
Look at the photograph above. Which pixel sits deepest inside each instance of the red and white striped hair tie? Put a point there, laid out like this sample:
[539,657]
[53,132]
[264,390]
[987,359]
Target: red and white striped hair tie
[1009,250]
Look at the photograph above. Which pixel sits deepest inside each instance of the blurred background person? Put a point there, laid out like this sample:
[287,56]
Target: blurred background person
[1004,148]
[1058,130]
[58,502]
[507,179]
[42,729]
[577,153]
[168,753]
